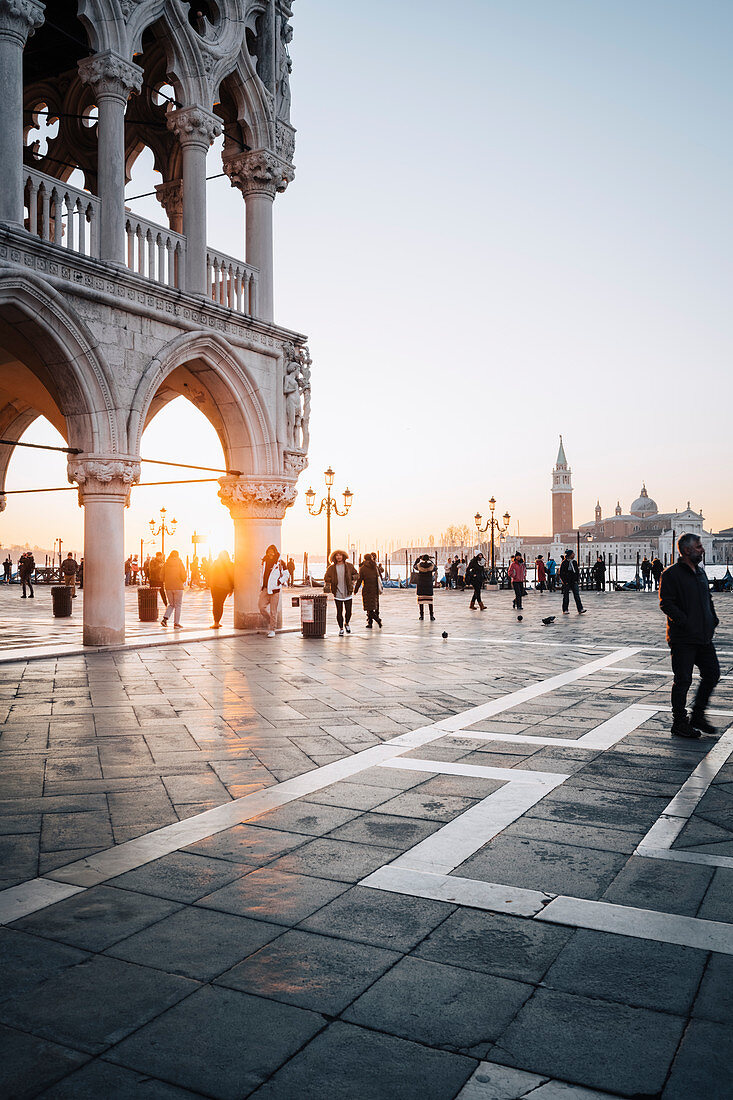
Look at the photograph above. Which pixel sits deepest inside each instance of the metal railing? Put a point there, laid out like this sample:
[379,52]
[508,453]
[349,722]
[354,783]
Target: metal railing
[154,252]
[61,214]
[233,283]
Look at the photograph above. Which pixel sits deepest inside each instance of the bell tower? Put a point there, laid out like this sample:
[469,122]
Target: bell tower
[562,495]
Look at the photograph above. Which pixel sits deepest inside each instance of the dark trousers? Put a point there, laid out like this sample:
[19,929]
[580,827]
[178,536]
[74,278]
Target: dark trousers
[684,657]
[476,598]
[550,582]
[566,590]
[27,581]
[218,597]
[518,587]
[343,612]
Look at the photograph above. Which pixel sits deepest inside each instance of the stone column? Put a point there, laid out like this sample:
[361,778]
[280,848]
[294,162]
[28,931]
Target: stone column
[18,20]
[113,80]
[195,129]
[104,490]
[257,506]
[259,175]
[170,196]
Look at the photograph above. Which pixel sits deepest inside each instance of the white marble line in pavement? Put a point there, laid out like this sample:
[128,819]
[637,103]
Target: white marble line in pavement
[599,739]
[171,838]
[657,844]
[477,771]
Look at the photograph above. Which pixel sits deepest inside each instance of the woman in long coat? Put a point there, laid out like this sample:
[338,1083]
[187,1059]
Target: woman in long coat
[424,567]
[370,583]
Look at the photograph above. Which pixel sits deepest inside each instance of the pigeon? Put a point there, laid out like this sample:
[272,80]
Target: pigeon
[519,618]
[548,620]
[444,634]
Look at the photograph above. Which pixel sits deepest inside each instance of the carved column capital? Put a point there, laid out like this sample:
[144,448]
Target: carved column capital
[3,502]
[170,197]
[104,475]
[19,19]
[259,172]
[194,126]
[257,497]
[110,75]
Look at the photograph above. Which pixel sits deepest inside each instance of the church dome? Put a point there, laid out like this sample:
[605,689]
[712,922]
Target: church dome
[644,505]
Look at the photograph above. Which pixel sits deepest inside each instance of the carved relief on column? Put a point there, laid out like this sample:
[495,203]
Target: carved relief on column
[170,197]
[297,394]
[110,75]
[259,171]
[3,502]
[19,19]
[104,475]
[257,497]
[194,125]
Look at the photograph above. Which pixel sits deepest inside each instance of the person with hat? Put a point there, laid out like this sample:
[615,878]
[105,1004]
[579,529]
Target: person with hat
[425,569]
[339,580]
[570,579]
[475,577]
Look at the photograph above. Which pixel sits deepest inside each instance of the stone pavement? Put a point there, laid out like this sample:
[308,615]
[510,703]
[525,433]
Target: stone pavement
[383,865]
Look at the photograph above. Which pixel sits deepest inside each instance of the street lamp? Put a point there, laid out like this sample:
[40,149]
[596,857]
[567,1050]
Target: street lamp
[329,503]
[162,529]
[495,526]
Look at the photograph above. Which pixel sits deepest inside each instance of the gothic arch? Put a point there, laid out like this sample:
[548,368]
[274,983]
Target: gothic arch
[205,369]
[54,348]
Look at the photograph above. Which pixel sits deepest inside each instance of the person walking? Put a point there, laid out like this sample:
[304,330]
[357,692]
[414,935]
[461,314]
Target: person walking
[425,571]
[271,581]
[175,581]
[370,583]
[222,585]
[128,571]
[684,597]
[475,574]
[569,579]
[291,571]
[156,575]
[657,570]
[462,574]
[454,572]
[599,574]
[517,576]
[447,578]
[646,573]
[339,580]
[69,569]
[541,573]
[7,569]
[26,569]
[551,567]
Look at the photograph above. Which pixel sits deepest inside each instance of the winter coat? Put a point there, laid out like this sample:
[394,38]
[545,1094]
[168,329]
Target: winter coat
[684,597]
[475,571]
[369,582]
[569,572]
[221,576]
[330,580]
[424,581]
[175,574]
[517,572]
[541,571]
[275,577]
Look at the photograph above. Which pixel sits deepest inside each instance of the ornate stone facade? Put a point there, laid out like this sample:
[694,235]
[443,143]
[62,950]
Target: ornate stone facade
[259,171]
[110,75]
[262,499]
[97,474]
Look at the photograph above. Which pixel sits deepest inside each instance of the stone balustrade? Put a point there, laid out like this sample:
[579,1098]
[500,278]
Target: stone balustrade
[233,283]
[61,214]
[155,253]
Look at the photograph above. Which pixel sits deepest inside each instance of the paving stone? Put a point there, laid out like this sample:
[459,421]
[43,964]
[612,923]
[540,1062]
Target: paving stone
[581,836]
[100,1080]
[544,865]
[441,1006]
[196,943]
[393,921]
[702,1068]
[631,971]
[103,999]
[714,1000]
[18,859]
[274,896]
[427,806]
[96,918]
[510,947]
[180,876]
[219,1042]
[399,833]
[354,796]
[26,961]
[660,885]
[248,844]
[592,1043]
[716,904]
[30,1064]
[305,817]
[334,859]
[350,1063]
[316,972]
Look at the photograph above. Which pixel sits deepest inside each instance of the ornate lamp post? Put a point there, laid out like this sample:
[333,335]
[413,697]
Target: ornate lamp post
[329,503]
[162,528]
[495,525]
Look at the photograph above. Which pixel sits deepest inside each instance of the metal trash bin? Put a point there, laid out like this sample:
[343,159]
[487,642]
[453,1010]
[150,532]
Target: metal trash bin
[313,616]
[147,605]
[61,596]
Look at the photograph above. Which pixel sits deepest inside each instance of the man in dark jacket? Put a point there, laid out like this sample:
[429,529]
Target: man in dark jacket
[475,577]
[684,596]
[569,579]
[26,569]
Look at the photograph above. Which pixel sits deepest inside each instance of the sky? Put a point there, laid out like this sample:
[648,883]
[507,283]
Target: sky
[509,221]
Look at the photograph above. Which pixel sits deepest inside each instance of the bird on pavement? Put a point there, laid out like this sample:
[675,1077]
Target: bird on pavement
[548,620]
[444,634]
